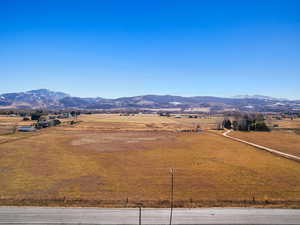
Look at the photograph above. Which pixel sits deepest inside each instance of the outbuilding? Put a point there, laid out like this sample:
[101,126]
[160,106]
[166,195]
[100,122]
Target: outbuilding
[26,129]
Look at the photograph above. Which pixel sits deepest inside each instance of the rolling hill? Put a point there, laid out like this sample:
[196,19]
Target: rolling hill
[44,98]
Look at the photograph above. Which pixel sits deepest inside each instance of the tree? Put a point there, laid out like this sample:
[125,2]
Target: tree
[36,115]
[261,126]
[73,114]
[227,124]
[250,122]
[235,125]
[14,128]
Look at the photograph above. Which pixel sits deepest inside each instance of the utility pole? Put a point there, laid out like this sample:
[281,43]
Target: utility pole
[172,194]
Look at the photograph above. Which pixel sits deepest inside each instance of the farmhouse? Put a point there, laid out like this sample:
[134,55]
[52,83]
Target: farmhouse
[45,122]
[42,122]
[167,114]
[64,116]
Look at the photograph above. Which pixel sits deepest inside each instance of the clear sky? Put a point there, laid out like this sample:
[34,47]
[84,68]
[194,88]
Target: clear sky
[111,48]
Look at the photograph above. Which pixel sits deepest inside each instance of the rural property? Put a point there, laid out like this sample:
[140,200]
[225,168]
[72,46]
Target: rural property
[112,160]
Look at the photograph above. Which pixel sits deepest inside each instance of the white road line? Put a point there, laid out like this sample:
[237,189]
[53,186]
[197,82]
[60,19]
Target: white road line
[273,151]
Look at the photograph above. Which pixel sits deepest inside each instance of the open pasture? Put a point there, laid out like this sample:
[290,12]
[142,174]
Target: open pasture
[130,163]
[145,122]
[284,141]
[287,124]
[8,127]
[7,124]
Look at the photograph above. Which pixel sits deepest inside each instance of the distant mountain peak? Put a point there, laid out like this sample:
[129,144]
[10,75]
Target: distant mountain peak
[45,98]
[40,90]
[260,97]
[41,98]
[46,92]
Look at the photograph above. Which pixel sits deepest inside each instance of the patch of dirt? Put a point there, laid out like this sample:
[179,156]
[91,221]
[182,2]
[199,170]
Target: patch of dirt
[2,170]
[85,184]
[91,139]
[119,141]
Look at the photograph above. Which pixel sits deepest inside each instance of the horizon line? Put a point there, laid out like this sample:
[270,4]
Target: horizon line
[237,96]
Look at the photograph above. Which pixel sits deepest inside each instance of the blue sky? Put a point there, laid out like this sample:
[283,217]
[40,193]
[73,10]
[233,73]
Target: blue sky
[126,48]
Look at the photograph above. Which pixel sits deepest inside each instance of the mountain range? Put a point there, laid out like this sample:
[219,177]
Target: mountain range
[44,98]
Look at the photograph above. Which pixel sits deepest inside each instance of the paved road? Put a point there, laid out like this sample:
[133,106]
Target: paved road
[37,215]
[273,151]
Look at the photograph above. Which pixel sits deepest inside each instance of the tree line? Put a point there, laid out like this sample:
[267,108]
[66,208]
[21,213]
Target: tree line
[246,122]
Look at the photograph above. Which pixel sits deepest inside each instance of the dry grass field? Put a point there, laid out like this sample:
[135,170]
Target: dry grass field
[8,126]
[112,160]
[144,122]
[284,141]
[284,138]
[7,123]
[287,123]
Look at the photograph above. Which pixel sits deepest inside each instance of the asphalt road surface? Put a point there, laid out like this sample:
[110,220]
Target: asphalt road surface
[39,215]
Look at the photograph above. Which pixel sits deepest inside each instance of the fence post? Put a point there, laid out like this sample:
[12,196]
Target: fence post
[140,213]
[172,193]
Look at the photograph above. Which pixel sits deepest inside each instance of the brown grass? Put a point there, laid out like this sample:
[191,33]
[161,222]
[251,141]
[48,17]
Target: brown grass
[287,142]
[91,166]
[287,123]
